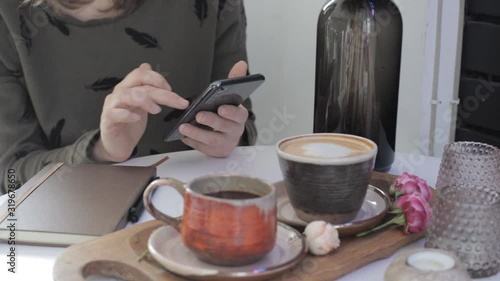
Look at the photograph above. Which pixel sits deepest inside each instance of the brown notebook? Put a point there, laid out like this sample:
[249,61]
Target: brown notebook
[67,204]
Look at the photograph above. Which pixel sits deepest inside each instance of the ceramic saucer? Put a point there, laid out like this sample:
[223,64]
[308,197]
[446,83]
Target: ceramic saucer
[166,246]
[372,211]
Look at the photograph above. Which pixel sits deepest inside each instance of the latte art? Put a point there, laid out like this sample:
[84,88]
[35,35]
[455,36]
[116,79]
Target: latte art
[332,147]
[327,150]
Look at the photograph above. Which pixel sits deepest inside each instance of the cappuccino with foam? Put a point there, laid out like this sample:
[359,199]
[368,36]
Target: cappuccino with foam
[327,146]
[326,175]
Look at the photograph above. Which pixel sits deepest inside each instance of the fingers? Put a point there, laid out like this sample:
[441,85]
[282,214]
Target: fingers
[228,120]
[228,127]
[144,75]
[238,114]
[210,138]
[120,115]
[167,98]
[146,66]
[146,98]
[239,69]
[218,123]
[145,89]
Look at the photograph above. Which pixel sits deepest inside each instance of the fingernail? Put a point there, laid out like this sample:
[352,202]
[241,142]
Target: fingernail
[183,102]
[201,116]
[184,129]
[224,111]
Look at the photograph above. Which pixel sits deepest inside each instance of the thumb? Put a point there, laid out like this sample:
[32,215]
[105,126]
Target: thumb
[146,66]
[238,70]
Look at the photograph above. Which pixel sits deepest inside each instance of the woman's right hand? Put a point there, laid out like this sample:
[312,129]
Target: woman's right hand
[125,112]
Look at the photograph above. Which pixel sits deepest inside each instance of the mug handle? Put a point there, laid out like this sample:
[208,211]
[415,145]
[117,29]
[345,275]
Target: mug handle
[148,192]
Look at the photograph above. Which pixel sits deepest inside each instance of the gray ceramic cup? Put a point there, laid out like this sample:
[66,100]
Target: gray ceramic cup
[326,175]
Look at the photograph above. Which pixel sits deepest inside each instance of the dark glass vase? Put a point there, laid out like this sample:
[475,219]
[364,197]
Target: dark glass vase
[357,72]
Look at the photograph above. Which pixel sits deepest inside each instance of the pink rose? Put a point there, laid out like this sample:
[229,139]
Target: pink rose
[410,184]
[416,210]
[412,213]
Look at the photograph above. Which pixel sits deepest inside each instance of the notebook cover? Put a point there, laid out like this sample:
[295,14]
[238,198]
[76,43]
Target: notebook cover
[75,203]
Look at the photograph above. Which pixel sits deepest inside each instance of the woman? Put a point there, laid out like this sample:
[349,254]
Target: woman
[86,81]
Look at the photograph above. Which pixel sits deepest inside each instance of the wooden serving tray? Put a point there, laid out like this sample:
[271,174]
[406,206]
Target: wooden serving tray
[116,254]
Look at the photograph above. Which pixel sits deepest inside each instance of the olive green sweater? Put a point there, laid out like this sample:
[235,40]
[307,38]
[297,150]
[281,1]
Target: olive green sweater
[55,72]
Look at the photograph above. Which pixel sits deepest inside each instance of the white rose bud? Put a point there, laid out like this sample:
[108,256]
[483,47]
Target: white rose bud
[321,237]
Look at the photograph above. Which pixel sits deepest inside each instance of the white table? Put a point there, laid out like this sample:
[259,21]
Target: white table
[35,263]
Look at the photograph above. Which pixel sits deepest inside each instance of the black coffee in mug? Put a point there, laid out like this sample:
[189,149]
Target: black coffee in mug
[326,175]
[232,194]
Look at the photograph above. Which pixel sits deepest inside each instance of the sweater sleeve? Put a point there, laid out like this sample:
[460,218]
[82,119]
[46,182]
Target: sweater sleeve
[231,48]
[24,149]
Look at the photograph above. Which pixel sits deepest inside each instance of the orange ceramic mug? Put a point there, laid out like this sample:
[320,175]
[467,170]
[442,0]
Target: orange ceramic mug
[227,220]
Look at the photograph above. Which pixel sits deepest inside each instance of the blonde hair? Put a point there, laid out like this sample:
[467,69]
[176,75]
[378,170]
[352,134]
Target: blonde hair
[75,4]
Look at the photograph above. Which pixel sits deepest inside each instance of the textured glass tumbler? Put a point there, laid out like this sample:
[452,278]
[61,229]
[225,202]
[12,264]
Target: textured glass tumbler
[470,165]
[467,223]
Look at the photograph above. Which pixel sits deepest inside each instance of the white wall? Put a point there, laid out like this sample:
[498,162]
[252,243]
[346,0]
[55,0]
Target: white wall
[282,46]
[413,60]
[448,70]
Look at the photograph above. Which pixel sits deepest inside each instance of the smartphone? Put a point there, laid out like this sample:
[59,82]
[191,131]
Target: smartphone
[231,91]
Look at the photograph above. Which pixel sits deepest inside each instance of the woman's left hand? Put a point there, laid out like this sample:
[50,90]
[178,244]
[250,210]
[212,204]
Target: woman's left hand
[228,125]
